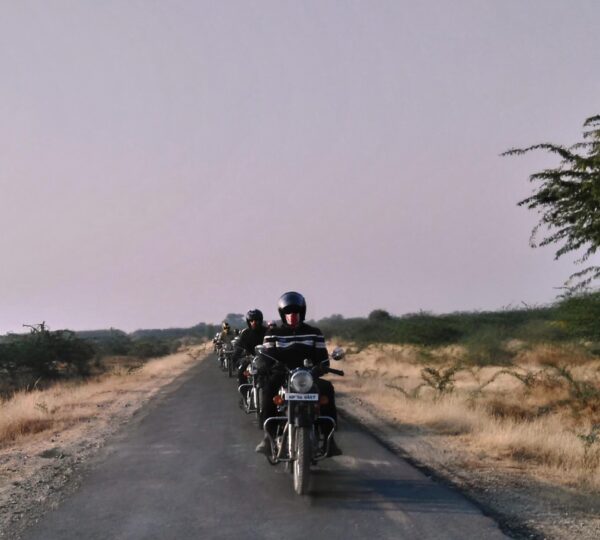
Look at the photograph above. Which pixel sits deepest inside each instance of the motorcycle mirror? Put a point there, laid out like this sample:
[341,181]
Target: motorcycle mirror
[338,353]
[307,363]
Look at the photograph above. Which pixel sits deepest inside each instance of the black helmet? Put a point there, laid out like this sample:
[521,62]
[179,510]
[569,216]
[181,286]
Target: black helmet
[291,302]
[254,315]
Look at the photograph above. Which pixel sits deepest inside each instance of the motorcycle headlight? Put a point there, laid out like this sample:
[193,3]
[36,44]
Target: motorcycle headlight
[301,381]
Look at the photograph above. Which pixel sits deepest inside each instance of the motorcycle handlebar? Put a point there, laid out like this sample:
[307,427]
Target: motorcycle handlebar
[323,369]
[334,371]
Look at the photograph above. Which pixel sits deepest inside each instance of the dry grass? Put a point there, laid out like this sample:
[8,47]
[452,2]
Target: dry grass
[542,414]
[68,404]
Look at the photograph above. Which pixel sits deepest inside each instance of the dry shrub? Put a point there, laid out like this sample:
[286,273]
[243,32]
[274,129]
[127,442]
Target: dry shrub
[539,412]
[66,404]
[499,408]
[23,414]
[552,355]
[544,441]
[448,415]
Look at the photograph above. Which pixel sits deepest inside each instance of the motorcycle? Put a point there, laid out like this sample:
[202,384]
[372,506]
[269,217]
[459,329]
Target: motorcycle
[229,362]
[300,440]
[226,358]
[216,341]
[250,401]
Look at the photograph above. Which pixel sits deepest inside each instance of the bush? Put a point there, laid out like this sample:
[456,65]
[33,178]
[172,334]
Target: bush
[379,315]
[580,316]
[419,329]
[110,342]
[150,348]
[540,331]
[475,329]
[487,347]
[45,354]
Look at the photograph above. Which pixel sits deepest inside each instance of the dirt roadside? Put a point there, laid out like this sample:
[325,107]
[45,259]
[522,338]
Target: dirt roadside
[34,470]
[525,507]
[457,438]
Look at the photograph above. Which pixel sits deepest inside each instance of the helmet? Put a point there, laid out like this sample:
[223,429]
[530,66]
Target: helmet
[291,302]
[254,315]
[225,325]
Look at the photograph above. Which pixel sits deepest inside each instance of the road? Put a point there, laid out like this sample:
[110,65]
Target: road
[186,468]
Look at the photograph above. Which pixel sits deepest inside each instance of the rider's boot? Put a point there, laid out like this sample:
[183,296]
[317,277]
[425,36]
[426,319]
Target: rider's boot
[334,449]
[264,447]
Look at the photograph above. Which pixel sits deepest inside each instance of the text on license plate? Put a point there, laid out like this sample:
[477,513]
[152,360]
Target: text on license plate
[302,397]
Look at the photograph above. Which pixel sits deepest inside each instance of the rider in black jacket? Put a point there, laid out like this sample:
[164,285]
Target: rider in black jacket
[290,344]
[249,338]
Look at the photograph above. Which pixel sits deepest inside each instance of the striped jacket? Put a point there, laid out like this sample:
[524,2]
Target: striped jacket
[292,346]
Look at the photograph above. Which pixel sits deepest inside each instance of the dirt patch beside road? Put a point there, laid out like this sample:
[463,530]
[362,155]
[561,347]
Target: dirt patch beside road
[35,466]
[449,437]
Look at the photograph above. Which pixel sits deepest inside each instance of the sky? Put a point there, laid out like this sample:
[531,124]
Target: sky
[166,163]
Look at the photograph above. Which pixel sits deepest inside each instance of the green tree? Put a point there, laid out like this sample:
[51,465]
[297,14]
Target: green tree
[379,315]
[45,354]
[236,320]
[567,198]
[150,348]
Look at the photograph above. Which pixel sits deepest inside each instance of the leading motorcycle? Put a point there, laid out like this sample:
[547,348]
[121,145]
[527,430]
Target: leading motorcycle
[302,435]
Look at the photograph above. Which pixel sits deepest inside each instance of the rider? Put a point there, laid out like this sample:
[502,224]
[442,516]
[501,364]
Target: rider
[290,344]
[225,338]
[271,325]
[249,338]
[226,333]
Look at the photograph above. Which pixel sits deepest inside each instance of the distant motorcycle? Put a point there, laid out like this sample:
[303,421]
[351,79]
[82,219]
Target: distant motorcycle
[216,341]
[225,356]
[300,439]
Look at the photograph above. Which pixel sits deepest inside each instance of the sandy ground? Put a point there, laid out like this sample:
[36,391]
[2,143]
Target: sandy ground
[527,504]
[34,469]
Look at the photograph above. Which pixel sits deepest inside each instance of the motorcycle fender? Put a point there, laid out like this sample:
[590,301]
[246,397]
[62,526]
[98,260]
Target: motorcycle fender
[303,418]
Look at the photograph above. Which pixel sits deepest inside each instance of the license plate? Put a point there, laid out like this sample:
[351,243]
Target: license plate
[302,397]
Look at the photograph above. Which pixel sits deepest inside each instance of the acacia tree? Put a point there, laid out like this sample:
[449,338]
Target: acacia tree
[568,200]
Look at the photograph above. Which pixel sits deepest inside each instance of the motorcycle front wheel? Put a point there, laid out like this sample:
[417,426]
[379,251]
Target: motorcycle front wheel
[302,461]
[259,402]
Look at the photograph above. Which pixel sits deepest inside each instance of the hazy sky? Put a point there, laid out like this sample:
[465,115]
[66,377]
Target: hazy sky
[165,163]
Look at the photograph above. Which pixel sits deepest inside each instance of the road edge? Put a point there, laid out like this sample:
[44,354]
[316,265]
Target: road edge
[385,432]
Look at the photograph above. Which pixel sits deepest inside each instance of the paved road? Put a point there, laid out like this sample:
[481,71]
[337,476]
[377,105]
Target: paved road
[186,469]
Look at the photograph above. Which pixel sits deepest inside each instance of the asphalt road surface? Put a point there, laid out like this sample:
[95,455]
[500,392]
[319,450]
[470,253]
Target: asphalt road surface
[186,468]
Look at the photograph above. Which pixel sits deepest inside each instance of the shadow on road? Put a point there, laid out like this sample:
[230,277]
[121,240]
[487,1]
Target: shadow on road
[347,489]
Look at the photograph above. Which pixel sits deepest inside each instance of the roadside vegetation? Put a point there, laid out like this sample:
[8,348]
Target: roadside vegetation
[519,387]
[482,333]
[41,356]
[68,404]
[54,379]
